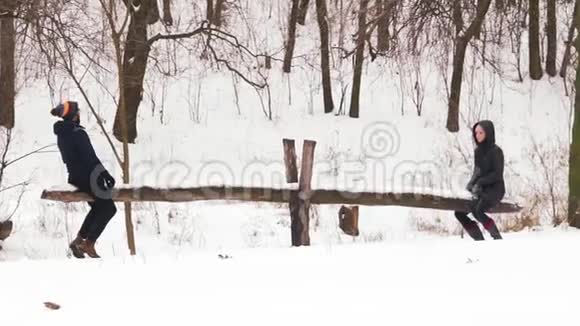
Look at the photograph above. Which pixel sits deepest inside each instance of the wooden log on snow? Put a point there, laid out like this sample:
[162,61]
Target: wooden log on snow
[5,229]
[281,195]
[348,220]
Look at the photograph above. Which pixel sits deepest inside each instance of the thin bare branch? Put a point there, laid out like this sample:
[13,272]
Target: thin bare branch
[37,151]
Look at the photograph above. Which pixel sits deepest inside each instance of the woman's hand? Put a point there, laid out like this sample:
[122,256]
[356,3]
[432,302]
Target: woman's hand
[476,190]
[474,178]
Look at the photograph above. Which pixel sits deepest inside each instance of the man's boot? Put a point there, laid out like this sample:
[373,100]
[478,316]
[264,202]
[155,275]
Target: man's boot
[491,227]
[88,247]
[74,247]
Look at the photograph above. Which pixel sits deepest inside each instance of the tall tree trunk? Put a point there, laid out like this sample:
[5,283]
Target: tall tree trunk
[153,12]
[116,37]
[167,17]
[569,41]
[574,160]
[456,79]
[302,11]
[552,39]
[321,14]
[478,29]
[359,60]
[458,62]
[209,11]
[218,12]
[291,41]
[457,17]
[134,66]
[7,64]
[534,41]
[383,36]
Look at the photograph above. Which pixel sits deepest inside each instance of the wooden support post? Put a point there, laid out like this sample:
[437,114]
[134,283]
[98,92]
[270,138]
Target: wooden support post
[290,160]
[292,177]
[299,201]
[295,227]
[305,193]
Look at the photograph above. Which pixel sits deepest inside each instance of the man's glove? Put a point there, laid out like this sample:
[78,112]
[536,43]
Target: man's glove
[106,180]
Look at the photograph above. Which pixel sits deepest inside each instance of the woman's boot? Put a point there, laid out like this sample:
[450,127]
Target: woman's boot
[473,231]
[469,225]
[491,227]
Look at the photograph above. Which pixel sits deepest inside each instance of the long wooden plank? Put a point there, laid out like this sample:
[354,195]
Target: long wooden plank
[280,195]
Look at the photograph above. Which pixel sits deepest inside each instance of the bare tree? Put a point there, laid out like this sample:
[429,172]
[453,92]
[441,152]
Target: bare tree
[457,17]
[167,17]
[121,118]
[291,39]
[7,212]
[152,12]
[359,59]
[135,56]
[321,14]
[7,63]
[209,11]
[574,158]
[458,63]
[217,18]
[569,42]
[383,36]
[552,39]
[302,11]
[478,28]
[534,40]
[516,26]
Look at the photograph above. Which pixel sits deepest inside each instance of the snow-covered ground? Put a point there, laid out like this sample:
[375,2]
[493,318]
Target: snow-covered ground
[527,279]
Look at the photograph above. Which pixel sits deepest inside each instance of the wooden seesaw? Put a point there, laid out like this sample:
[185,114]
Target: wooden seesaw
[299,199]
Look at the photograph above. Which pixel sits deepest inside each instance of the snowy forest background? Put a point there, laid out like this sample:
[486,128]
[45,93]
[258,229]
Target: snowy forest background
[388,89]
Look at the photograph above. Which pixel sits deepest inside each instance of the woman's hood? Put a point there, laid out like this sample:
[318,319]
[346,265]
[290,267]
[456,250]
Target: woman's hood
[489,129]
